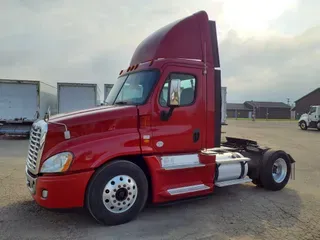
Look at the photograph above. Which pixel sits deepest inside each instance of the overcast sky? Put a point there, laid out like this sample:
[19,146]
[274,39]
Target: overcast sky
[270,50]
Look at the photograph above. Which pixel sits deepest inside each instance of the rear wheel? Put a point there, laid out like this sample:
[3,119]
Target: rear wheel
[303,125]
[117,193]
[257,182]
[275,170]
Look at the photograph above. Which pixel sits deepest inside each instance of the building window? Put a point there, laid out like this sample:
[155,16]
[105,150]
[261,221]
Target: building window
[187,89]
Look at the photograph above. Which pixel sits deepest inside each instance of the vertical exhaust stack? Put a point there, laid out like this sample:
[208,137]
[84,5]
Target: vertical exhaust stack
[217,83]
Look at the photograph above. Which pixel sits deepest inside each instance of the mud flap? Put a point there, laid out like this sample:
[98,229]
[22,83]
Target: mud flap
[293,164]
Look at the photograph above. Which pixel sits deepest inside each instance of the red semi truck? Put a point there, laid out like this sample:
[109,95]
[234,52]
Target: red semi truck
[158,139]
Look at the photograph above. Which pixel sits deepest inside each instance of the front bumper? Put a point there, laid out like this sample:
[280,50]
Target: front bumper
[59,191]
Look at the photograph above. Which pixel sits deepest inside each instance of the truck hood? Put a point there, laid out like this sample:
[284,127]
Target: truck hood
[69,117]
[60,116]
[89,125]
[94,120]
[303,117]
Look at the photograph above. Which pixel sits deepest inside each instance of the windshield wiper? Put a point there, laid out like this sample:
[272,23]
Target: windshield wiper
[121,103]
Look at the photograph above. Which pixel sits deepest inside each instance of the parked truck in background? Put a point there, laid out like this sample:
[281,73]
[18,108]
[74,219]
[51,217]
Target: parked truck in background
[77,96]
[22,102]
[224,105]
[158,139]
[310,119]
[107,89]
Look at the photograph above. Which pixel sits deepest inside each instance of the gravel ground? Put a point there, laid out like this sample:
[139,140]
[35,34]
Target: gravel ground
[237,212]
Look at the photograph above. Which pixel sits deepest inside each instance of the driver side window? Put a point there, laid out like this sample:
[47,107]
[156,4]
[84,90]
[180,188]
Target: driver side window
[187,89]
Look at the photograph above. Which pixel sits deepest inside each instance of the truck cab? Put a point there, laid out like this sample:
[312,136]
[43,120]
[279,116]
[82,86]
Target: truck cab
[157,139]
[310,119]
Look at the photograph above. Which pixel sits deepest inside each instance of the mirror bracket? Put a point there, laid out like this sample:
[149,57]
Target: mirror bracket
[165,115]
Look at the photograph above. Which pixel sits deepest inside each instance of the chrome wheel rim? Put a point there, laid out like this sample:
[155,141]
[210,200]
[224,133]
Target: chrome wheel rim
[303,125]
[279,170]
[119,194]
[318,125]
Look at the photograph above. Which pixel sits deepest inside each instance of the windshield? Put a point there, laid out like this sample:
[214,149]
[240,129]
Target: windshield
[312,109]
[133,88]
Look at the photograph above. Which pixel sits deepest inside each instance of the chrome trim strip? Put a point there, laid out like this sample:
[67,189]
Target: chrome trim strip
[188,189]
[185,166]
[172,161]
[233,182]
[232,160]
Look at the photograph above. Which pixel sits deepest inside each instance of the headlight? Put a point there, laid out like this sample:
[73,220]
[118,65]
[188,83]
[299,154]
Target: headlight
[57,163]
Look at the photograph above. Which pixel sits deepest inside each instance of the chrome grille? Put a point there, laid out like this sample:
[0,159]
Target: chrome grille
[36,143]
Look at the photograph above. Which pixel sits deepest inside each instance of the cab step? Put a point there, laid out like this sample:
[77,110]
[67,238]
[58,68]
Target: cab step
[233,182]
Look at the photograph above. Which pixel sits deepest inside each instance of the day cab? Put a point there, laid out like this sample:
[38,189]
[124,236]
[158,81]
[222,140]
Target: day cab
[310,119]
[158,139]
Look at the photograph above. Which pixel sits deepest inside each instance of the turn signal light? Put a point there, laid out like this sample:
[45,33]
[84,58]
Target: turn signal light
[145,121]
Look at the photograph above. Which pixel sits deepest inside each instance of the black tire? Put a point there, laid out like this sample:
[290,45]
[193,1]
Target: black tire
[266,170]
[257,182]
[303,125]
[318,125]
[95,190]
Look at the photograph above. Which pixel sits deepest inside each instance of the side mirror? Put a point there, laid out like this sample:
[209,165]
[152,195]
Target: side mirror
[173,99]
[174,93]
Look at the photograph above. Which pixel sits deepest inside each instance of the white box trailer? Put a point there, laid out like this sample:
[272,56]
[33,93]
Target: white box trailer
[22,102]
[77,96]
[107,89]
[224,105]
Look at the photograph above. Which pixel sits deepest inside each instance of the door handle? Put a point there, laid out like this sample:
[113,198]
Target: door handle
[196,135]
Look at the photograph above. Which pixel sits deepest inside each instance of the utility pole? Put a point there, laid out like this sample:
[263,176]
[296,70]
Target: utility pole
[288,101]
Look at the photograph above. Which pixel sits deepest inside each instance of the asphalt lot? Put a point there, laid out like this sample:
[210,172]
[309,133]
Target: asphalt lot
[237,212]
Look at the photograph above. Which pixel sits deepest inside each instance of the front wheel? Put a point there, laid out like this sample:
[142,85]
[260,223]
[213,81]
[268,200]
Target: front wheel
[318,125]
[117,193]
[275,170]
[303,125]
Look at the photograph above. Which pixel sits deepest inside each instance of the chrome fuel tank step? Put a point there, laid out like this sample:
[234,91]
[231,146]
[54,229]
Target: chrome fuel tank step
[233,182]
[231,166]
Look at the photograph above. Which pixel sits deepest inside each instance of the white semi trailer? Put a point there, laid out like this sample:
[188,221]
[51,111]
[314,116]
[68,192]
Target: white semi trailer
[224,105]
[22,102]
[107,89]
[77,96]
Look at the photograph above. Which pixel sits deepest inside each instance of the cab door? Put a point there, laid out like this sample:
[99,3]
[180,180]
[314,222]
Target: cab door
[184,130]
[312,116]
